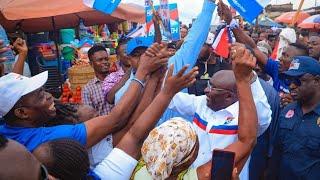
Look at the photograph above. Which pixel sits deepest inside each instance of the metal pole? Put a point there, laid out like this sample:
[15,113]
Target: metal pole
[56,39]
[297,13]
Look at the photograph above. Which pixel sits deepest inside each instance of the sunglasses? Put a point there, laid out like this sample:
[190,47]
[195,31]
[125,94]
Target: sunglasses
[209,86]
[44,175]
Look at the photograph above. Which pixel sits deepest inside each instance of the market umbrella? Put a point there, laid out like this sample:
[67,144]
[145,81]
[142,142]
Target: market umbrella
[289,16]
[38,15]
[312,22]
[267,22]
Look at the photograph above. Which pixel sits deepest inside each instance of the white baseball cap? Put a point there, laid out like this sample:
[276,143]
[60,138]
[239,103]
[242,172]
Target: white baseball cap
[13,86]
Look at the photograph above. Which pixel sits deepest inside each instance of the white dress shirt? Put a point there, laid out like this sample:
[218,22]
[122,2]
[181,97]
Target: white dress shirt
[217,130]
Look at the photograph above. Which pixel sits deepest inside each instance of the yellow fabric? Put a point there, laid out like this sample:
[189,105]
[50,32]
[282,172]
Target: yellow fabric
[143,174]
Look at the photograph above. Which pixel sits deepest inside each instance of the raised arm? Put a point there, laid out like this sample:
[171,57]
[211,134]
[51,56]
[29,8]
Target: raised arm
[190,49]
[148,94]
[22,48]
[156,23]
[134,138]
[243,63]
[100,127]
[241,37]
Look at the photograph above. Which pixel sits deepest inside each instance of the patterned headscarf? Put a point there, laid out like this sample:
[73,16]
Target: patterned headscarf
[168,146]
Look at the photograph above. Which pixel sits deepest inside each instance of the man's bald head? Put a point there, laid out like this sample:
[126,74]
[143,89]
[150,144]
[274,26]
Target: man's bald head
[222,91]
[224,79]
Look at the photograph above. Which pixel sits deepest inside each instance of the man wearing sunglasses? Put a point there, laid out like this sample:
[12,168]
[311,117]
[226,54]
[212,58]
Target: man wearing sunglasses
[215,114]
[299,133]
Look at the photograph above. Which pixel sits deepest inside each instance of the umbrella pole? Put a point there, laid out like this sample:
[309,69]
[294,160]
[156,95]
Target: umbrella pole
[56,39]
[297,13]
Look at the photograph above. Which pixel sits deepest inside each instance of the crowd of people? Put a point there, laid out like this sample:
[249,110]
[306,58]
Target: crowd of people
[165,110]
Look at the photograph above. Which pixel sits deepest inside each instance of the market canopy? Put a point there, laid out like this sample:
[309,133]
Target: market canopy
[289,16]
[312,22]
[48,15]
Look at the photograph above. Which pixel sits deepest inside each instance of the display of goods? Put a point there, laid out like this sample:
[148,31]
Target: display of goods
[80,75]
[69,96]
[47,50]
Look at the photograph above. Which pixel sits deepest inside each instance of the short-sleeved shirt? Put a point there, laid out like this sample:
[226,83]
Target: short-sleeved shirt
[272,69]
[299,143]
[218,129]
[92,95]
[31,138]
[117,165]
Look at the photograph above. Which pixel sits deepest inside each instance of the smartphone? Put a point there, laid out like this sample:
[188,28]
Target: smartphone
[222,165]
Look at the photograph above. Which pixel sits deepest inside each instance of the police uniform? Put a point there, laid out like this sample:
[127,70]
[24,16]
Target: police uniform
[299,134]
[299,140]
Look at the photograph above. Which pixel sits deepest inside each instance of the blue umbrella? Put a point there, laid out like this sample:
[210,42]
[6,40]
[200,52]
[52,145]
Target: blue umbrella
[267,22]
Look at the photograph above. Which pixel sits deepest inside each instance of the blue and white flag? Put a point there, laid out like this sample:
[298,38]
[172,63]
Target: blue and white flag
[249,9]
[105,6]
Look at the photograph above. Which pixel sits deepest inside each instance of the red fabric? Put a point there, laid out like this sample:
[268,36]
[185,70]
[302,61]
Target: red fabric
[275,51]
[222,48]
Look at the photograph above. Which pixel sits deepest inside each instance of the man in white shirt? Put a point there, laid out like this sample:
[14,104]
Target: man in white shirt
[216,114]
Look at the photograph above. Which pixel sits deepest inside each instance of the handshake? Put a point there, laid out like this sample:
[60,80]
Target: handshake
[154,62]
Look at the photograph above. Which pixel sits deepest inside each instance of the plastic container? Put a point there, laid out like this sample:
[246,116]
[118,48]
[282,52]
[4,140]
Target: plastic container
[67,35]
[8,54]
[68,53]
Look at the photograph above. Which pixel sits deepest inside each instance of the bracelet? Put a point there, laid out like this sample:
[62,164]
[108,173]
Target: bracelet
[234,24]
[140,82]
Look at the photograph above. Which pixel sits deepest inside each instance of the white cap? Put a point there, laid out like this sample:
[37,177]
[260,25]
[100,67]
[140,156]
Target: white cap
[210,38]
[13,86]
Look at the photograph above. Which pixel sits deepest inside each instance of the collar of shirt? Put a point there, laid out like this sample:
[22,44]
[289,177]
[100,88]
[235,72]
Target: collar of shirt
[96,80]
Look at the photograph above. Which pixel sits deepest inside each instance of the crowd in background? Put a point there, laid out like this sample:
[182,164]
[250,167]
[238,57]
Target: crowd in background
[168,106]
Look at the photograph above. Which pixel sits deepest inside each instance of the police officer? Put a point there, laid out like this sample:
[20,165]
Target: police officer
[299,133]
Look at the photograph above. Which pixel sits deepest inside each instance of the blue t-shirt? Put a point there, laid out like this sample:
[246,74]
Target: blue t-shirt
[272,69]
[31,138]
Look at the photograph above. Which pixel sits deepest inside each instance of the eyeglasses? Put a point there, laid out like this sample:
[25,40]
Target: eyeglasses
[44,175]
[216,89]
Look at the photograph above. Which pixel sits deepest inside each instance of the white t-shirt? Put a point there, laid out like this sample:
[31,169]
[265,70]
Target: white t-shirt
[100,151]
[217,130]
[117,165]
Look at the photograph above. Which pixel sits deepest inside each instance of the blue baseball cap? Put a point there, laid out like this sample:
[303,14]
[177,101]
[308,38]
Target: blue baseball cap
[301,65]
[138,42]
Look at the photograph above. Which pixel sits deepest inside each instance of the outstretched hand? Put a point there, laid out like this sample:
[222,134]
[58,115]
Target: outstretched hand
[21,46]
[3,49]
[155,57]
[174,84]
[224,12]
[243,62]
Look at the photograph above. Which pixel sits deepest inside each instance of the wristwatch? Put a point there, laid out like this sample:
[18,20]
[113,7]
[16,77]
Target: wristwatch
[254,77]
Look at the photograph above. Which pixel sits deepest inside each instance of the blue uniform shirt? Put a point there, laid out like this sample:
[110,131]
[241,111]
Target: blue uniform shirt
[265,143]
[299,143]
[272,69]
[31,138]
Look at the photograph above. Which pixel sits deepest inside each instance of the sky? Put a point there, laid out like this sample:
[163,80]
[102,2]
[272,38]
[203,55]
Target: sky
[189,9]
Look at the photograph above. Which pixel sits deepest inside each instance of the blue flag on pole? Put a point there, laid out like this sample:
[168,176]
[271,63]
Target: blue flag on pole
[105,6]
[249,9]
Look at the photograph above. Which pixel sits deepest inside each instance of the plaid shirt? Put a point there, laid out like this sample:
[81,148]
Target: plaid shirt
[93,96]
